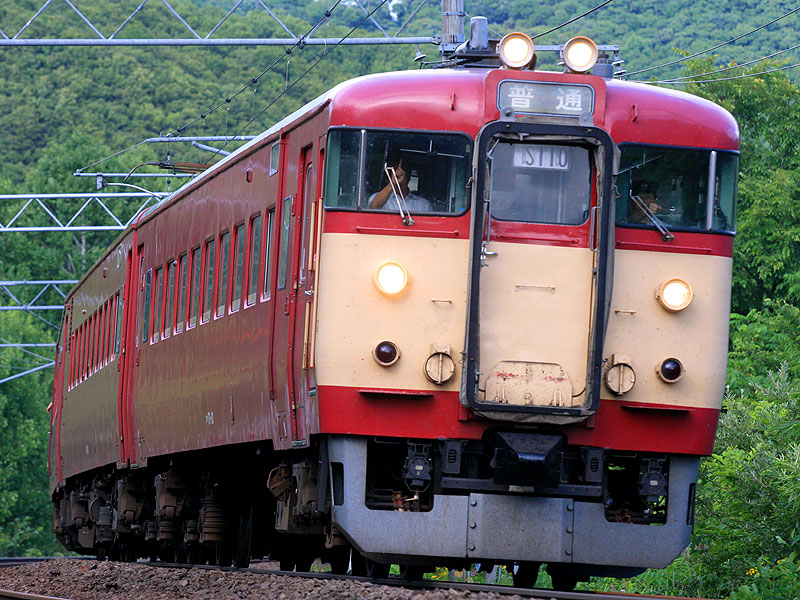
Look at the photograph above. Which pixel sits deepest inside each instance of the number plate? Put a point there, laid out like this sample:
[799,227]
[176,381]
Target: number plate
[535,156]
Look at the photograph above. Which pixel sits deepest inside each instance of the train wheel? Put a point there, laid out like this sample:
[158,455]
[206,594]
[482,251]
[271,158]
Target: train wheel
[339,557]
[241,553]
[412,572]
[194,555]
[102,552]
[526,575]
[358,564]
[563,579]
[223,554]
[376,570]
[287,564]
[303,562]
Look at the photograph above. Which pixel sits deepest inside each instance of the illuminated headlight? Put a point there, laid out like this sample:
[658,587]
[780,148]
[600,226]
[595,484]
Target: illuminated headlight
[580,54]
[675,294]
[516,50]
[391,278]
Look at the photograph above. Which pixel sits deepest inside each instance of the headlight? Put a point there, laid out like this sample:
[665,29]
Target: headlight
[391,278]
[516,50]
[675,294]
[386,353]
[670,370]
[580,54]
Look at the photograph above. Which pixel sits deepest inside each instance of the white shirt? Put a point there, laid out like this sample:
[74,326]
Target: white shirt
[414,203]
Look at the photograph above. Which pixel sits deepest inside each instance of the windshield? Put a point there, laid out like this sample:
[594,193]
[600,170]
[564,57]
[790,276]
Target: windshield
[540,183]
[673,185]
[389,170]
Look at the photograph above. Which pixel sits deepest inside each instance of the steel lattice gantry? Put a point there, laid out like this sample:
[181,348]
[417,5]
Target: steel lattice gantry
[95,37]
[36,213]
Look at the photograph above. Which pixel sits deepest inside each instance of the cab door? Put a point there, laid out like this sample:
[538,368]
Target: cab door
[540,266]
[289,383]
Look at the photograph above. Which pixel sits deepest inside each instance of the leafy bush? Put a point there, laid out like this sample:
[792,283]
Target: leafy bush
[778,581]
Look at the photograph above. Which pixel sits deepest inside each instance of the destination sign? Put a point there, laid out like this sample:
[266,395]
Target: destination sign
[546,98]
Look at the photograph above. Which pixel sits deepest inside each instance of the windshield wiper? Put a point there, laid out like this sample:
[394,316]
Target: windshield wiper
[642,205]
[398,194]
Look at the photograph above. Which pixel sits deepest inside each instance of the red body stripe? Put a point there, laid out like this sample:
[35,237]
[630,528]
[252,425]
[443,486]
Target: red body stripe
[616,425]
[711,244]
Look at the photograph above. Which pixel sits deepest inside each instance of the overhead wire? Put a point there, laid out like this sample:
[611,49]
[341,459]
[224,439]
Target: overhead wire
[572,20]
[299,43]
[707,50]
[745,76]
[302,75]
[737,66]
[538,35]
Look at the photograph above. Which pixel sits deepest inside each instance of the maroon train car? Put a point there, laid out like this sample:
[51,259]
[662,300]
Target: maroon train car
[432,318]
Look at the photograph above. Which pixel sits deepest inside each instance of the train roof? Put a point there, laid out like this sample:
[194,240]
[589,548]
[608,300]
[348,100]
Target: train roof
[408,96]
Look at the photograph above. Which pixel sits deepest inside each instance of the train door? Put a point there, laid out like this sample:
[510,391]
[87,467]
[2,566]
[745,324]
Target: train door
[289,386]
[537,307]
[61,382]
[127,351]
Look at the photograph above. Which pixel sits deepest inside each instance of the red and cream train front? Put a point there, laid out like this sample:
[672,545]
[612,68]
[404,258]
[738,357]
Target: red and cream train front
[518,358]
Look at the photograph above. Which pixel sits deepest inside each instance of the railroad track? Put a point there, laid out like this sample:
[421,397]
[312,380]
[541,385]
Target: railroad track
[536,594]
[10,595]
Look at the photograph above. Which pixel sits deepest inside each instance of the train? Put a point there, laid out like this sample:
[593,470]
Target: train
[475,314]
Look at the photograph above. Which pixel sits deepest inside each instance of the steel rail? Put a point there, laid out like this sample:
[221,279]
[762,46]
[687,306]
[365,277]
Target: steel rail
[12,595]
[535,593]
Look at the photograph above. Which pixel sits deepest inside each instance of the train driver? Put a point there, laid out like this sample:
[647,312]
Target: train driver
[647,192]
[398,176]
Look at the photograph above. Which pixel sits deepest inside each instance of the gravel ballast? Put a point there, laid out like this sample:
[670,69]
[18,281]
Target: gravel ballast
[85,580]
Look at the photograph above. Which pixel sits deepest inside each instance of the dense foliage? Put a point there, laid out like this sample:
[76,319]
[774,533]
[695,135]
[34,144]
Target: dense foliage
[62,109]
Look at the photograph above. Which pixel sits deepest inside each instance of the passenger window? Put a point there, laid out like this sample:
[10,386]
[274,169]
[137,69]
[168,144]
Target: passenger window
[112,307]
[269,254]
[158,305]
[183,269]
[208,290]
[283,257]
[118,328]
[144,307]
[194,293]
[222,284]
[274,157]
[101,335]
[308,197]
[238,267]
[169,302]
[255,260]
[92,343]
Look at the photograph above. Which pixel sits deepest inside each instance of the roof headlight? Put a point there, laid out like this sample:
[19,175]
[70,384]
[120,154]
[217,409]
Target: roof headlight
[580,54]
[675,294]
[391,278]
[516,50]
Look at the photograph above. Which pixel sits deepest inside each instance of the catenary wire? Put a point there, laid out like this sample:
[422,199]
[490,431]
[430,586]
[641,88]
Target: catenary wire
[730,41]
[228,99]
[572,20]
[302,75]
[739,66]
[299,43]
[745,76]
[538,35]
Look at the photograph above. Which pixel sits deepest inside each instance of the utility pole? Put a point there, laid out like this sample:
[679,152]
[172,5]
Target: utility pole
[452,24]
